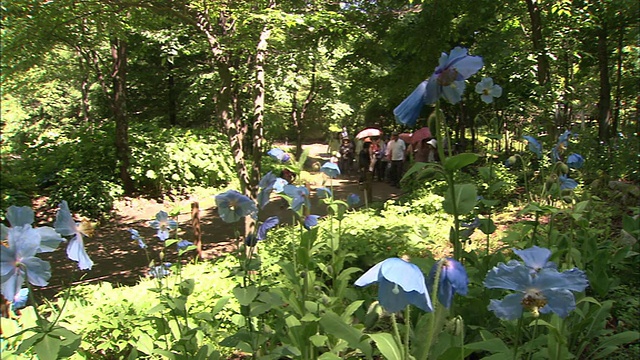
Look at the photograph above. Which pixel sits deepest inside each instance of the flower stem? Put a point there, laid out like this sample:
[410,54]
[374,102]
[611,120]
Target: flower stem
[518,335]
[396,331]
[407,330]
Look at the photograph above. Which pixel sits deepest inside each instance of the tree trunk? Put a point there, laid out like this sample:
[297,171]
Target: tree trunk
[538,41]
[616,109]
[173,113]
[258,110]
[119,79]
[604,103]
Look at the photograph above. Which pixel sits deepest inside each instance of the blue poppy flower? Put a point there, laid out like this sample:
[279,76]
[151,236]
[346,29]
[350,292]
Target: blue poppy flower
[250,240]
[567,183]
[330,169]
[561,145]
[470,227]
[24,215]
[65,225]
[20,215]
[542,292]
[299,196]
[488,90]
[183,244]
[563,139]
[267,225]
[135,235]
[536,258]
[160,271]
[323,193]
[453,278]
[163,224]
[408,112]
[279,184]
[534,145]
[267,180]
[18,261]
[279,154]
[310,221]
[575,161]
[400,283]
[353,199]
[233,206]
[21,298]
[264,196]
[448,79]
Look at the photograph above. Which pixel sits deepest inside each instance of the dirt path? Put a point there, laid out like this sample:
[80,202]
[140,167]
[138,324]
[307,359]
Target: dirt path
[119,260]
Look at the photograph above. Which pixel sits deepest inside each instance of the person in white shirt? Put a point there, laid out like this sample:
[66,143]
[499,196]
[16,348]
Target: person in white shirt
[396,149]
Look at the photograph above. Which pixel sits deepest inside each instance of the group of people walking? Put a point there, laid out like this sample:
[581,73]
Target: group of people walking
[383,160]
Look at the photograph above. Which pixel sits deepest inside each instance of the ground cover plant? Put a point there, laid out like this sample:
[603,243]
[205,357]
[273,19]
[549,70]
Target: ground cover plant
[423,277]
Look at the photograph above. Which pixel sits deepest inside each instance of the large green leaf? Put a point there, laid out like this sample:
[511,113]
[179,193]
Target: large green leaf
[336,326]
[459,161]
[48,348]
[245,295]
[465,199]
[389,348]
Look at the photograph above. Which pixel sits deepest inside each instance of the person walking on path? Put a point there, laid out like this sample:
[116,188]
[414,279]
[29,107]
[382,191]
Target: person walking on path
[347,155]
[396,149]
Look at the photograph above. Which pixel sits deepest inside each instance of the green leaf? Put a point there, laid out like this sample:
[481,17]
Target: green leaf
[47,348]
[144,344]
[459,161]
[487,226]
[329,356]
[27,343]
[493,345]
[616,340]
[465,199]
[387,346]
[338,327]
[245,295]
[318,340]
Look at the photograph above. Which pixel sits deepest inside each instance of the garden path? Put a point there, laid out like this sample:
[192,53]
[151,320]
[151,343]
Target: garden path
[119,260]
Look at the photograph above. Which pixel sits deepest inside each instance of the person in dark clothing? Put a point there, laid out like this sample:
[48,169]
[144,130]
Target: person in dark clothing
[347,155]
[364,160]
[366,172]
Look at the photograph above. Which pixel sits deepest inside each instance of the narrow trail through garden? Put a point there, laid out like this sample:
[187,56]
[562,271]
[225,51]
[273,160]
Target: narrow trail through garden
[119,260]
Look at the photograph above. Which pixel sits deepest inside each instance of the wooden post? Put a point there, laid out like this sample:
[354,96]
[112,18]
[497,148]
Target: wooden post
[195,224]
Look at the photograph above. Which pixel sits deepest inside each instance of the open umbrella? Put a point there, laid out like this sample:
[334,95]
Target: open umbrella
[368,132]
[406,137]
[421,134]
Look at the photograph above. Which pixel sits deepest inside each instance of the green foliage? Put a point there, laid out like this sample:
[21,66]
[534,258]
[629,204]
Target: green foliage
[176,160]
[77,164]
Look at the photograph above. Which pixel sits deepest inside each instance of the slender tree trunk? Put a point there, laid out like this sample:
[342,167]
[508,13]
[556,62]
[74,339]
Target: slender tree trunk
[538,41]
[604,104]
[616,109]
[173,112]
[258,110]
[119,79]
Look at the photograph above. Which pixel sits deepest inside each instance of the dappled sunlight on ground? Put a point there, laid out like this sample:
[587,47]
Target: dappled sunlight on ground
[118,259]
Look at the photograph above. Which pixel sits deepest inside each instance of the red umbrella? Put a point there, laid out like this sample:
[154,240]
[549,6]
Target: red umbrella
[421,134]
[406,137]
[368,132]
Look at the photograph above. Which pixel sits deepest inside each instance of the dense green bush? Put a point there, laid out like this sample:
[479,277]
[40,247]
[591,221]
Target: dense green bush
[78,164]
[176,160]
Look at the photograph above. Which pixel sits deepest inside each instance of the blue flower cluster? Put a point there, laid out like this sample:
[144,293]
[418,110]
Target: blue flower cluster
[22,242]
[401,283]
[447,81]
[539,286]
[233,206]
[573,161]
